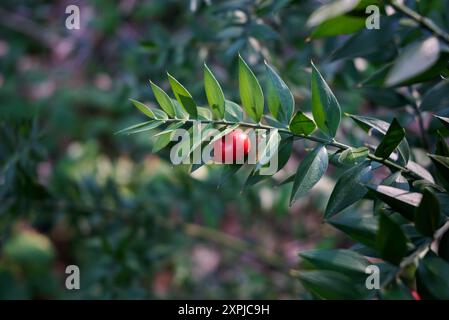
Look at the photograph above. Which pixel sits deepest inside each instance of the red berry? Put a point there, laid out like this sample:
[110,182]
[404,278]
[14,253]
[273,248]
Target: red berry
[231,144]
[415,295]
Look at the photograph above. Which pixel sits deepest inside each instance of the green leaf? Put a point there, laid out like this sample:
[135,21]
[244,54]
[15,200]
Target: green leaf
[428,214]
[183,96]
[228,171]
[442,166]
[327,284]
[159,114]
[391,240]
[214,94]
[325,107]
[345,24]
[250,92]
[436,98]
[432,277]
[360,227]
[331,10]
[309,172]
[414,60]
[148,127]
[163,100]
[402,201]
[353,155]
[348,189]
[180,113]
[133,127]
[391,140]
[302,124]
[444,121]
[441,149]
[340,260]
[164,138]
[233,112]
[143,108]
[279,97]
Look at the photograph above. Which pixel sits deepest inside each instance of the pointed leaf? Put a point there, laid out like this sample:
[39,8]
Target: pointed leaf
[444,121]
[402,201]
[163,100]
[391,140]
[348,189]
[325,108]
[414,60]
[302,124]
[214,94]
[233,112]
[340,260]
[309,172]
[183,96]
[428,214]
[360,227]
[250,92]
[279,97]
[164,138]
[432,277]
[391,240]
[143,108]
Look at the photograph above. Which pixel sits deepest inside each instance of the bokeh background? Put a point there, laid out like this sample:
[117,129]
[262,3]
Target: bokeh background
[72,192]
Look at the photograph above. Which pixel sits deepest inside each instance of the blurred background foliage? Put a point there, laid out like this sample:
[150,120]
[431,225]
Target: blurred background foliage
[72,192]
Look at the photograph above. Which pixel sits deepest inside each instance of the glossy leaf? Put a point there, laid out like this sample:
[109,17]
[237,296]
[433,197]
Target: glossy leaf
[415,59]
[214,94]
[359,227]
[301,124]
[340,260]
[163,100]
[345,24]
[233,112]
[444,121]
[143,108]
[279,97]
[250,92]
[325,108]
[348,189]
[309,172]
[432,277]
[183,96]
[428,214]
[402,201]
[391,140]
[391,241]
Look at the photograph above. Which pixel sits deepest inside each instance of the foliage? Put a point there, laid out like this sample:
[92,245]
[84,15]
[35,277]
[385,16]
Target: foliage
[370,112]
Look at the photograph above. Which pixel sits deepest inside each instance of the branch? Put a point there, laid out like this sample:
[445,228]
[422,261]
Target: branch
[423,21]
[390,164]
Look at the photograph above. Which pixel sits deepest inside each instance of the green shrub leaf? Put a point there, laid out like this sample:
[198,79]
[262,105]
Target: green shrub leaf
[309,172]
[279,97]
[214,94]
[391,240]
[325,108]
[428,214]
[250,92]
[163,100]
[302,124]
[183,96]
[391,140]
[348,189]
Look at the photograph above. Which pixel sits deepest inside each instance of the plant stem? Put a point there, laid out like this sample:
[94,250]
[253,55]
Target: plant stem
[390,164]
[423,21]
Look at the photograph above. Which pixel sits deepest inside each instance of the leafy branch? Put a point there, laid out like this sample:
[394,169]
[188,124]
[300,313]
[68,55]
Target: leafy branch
[407,195]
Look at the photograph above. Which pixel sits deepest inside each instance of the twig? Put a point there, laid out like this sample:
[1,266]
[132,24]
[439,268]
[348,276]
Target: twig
[423,21]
